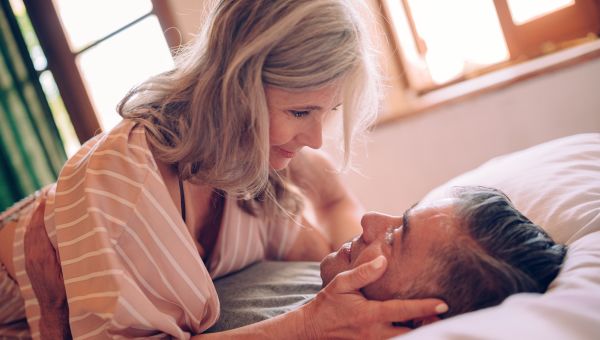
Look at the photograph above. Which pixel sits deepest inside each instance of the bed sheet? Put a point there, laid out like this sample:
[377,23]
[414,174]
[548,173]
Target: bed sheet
[264,290]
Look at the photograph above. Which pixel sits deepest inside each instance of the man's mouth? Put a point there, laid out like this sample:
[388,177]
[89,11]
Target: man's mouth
[346,250]
[353,246]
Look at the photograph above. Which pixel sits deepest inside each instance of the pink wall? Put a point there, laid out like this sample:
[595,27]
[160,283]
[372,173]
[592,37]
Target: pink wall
[404,160]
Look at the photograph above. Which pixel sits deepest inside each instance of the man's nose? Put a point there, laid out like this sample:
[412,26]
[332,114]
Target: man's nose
[375,225]
[313,135]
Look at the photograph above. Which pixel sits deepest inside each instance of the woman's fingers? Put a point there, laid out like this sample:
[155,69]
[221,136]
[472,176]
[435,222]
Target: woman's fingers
[341,310]
[354,279]
[404,310]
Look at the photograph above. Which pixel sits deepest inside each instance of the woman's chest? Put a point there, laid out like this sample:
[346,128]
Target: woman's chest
[204,209]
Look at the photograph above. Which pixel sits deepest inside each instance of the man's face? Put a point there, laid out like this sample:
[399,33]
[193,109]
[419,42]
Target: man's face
[406,241]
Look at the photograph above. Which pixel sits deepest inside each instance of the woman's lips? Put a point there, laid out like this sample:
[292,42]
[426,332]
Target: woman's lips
[285,153]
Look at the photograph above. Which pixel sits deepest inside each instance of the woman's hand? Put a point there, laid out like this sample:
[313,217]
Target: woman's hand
[43,268]
[341,311]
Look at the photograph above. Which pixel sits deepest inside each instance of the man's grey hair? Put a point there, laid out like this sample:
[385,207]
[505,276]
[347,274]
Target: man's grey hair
[499,252]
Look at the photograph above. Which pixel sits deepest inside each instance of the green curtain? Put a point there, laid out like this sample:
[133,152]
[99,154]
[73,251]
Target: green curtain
[31,151]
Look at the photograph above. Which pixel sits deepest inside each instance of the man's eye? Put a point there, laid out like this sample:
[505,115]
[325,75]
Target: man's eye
[299,114]
[389,235]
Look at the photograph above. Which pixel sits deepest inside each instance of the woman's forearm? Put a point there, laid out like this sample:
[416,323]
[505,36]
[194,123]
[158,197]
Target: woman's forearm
[291,325]
[54,324]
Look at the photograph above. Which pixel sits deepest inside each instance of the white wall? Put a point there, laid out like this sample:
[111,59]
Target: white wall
[404,160]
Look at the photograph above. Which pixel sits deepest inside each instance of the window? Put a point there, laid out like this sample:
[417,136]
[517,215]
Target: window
[40,64]
[445,42]
[98,50]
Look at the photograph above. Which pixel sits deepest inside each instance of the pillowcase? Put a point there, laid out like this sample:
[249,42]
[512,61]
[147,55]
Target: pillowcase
[264,290]
[555,184]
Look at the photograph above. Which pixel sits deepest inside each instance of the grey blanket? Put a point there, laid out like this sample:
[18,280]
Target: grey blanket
[264,290]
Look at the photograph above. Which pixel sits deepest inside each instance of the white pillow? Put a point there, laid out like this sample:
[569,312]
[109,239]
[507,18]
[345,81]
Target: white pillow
[557,185]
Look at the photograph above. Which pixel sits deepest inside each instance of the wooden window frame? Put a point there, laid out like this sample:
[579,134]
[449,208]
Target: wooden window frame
[408,100]
[527,41]
[62,61]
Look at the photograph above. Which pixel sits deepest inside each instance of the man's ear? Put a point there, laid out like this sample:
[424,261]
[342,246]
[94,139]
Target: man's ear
[416,323]
[425,321]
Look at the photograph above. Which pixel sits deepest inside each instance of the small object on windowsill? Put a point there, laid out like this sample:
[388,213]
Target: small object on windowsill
[551,47]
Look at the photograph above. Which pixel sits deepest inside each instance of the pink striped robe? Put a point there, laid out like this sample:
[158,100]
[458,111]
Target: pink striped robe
[130,265]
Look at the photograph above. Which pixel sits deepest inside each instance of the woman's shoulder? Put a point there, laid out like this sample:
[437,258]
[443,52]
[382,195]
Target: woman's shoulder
[122,149]
[110,174]
[115,163]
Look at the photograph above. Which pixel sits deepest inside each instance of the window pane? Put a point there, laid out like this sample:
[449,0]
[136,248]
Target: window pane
[114,66]
[86,21]
[59,112]
[459,36]
[524,11]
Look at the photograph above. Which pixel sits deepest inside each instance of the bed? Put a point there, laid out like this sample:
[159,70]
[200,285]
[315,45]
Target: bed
[556,184]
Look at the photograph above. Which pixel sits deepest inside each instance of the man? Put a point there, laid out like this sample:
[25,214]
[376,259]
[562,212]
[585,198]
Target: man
[471,250]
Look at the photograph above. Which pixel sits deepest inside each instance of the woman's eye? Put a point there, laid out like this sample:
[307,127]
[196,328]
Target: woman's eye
[299,114]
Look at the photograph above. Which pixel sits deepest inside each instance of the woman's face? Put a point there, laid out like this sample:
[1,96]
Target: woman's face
[296,120]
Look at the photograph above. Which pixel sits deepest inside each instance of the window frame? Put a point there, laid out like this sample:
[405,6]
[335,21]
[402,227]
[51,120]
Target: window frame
[62,60]
[569,23]
[403,100]
[524,41]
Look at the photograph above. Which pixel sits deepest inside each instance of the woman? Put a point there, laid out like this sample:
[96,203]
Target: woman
[208,173]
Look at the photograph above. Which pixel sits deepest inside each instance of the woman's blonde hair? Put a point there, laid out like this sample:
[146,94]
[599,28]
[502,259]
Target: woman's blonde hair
[208,116]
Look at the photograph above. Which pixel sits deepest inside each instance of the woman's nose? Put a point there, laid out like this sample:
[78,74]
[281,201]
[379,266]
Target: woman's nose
[313,135]
[375,225]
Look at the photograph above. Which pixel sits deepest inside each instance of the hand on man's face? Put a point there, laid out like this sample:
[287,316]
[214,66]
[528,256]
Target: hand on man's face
[408,242]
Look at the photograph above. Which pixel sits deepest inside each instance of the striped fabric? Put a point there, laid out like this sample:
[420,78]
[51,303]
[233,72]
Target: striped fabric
[130,264]
[12,312]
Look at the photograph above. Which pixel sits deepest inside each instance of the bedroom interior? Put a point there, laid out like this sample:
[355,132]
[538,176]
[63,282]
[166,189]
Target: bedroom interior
[530,127]
[441,138]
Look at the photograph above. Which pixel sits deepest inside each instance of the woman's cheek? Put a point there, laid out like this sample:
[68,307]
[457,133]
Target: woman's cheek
[278,132]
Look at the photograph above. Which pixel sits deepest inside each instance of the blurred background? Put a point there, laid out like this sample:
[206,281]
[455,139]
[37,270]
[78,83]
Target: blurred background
[465,80]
